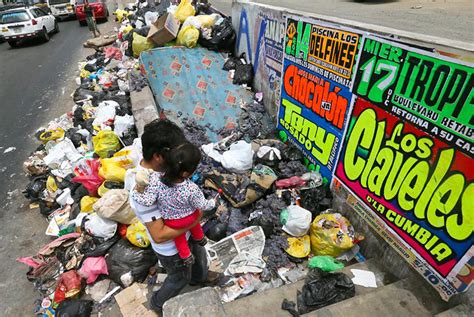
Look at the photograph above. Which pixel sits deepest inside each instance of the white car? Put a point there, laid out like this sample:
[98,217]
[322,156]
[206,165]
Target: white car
[23,23]
[62,8]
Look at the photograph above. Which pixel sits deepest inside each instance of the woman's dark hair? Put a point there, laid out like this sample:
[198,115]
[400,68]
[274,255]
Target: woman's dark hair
[160,135]
[183,158]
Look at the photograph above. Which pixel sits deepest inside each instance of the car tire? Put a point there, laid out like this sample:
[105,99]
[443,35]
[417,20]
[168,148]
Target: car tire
[13,43]
[56,27]
[44,35]
[107,13]
[83,23]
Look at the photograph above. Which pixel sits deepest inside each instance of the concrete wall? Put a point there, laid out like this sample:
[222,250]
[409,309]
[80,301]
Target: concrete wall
[264,37]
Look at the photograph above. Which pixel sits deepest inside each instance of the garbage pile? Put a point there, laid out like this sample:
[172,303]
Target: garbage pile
[273,212]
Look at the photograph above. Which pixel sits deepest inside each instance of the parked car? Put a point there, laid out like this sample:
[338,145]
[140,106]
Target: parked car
[25,23]
[100,10]
[62,9]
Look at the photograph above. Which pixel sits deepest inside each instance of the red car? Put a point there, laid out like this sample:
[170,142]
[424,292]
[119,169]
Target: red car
[100,10]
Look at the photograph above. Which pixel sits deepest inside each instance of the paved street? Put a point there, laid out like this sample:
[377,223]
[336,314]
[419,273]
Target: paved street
[35,83]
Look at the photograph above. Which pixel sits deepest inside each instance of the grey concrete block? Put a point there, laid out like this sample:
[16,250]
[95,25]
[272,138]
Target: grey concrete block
[202,302]
[143,108]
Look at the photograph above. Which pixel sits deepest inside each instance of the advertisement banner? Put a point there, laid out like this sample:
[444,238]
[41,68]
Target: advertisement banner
[418,186]
[318,63]
[435,94]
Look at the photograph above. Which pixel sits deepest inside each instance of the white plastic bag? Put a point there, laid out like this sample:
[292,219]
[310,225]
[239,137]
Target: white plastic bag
[61,151]
[299,221]
[238,158]
[151,17]
[100,227]
[105,114]
[122,124]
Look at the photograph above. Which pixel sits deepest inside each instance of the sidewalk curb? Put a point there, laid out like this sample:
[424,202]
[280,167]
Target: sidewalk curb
[143,108]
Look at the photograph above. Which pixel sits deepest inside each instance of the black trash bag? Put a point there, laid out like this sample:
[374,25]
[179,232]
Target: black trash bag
[231,63]
[90,67]
[78,117]
[322,289]
[129,136]
[243,75]
[100,246]
[84,93]
[46,208]
[217,231]
[316,200]
[124,257]
[222,37]
[34,189]
[290,307]
[74,308]
[79,192]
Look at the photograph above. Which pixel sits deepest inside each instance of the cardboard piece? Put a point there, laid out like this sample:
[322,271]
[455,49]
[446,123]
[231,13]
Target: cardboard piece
[131,300]
[164,30]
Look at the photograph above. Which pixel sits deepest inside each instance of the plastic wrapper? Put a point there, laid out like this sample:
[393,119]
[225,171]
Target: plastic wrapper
[92,267]
[114,205]
[323,289]
[188,36]
[125,258]
[105,143]
[298,222]
[299,247]
[137,235]
[325,262]
[74,307]
[185,9]
[331,234]
[89,177]
[112,170]
[69,286]
[87,202]
[140,44]
[222,36]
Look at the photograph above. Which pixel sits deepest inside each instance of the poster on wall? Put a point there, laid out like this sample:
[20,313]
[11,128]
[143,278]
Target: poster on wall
[260,35]
[435,94]
[406,159]
[318,69]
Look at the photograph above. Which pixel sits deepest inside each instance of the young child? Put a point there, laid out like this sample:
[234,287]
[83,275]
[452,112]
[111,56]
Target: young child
[178,198]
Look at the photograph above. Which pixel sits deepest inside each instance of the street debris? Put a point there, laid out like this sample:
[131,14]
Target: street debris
[271,215]
[10,149]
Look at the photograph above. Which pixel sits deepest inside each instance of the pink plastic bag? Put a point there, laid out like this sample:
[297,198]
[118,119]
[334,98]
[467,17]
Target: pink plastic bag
[90,180]
[113,52]
[92,267]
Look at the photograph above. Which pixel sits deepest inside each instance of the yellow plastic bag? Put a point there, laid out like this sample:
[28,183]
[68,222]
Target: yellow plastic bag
[87,202]
[185,10]
[136,234]
[51,135]
[112,170]
[121,14]
[51,184]
[105,142]
[127,29]
[188,36]
[140,44]
[331,234]
[124,158]
[299,247]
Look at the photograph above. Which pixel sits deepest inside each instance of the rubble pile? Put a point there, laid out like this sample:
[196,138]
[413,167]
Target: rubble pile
[79,180]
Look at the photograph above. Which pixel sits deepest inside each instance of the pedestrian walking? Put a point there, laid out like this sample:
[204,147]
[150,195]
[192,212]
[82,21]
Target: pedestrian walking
[90,18]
